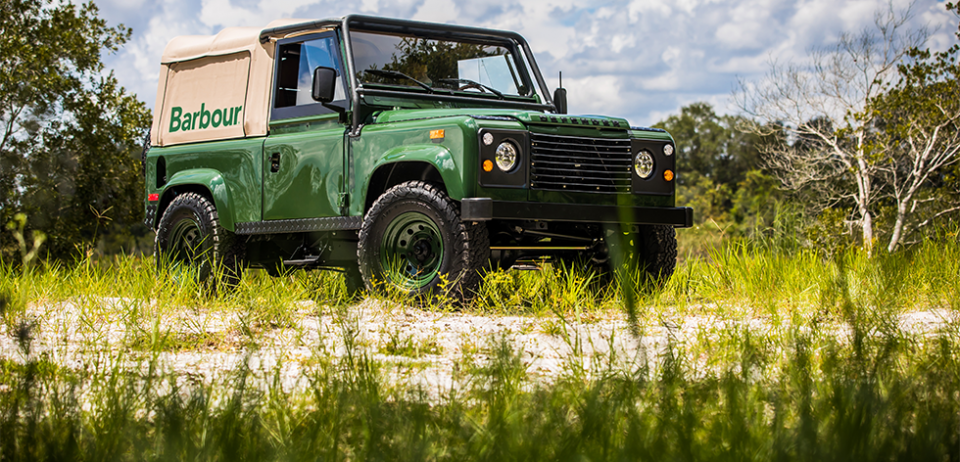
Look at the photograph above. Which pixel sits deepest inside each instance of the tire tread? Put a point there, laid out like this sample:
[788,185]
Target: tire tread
[472,247]
[228,250]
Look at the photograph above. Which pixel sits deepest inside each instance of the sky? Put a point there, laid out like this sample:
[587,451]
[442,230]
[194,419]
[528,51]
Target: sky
[638,59]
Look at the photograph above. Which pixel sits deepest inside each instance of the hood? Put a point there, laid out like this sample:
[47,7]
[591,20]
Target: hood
[527,117]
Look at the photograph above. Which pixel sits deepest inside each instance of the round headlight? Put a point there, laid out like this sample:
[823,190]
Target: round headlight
[668,150]
[643,164]
[506,156]
[488,139]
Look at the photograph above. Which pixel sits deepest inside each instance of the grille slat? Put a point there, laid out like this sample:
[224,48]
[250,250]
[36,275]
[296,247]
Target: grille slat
[571,175]
[549,164]
[567,159]
[578,139]
[570,163]
[568,171]
[563,186]
[579,148]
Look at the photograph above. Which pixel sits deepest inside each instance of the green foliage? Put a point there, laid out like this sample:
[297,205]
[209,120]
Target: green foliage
[846,385]
[28,253]
[720,165]
[722,176]
[917,141]
[70,135]
[744,180]
[802,357]
[830,231]
[556,288]
[712,146]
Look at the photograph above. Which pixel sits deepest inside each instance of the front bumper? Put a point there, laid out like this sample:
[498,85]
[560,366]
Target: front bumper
[485,209]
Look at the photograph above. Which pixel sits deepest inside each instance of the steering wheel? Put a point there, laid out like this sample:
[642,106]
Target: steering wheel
[472,85]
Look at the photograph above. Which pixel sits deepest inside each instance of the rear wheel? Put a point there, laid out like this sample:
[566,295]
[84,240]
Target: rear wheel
[413,240]
[192,243]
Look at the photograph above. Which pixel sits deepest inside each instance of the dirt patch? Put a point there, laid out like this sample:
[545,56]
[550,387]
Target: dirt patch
[414,346]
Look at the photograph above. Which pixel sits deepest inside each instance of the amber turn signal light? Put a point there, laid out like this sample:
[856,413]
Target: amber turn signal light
[668,175]
[487,166]
[436,134]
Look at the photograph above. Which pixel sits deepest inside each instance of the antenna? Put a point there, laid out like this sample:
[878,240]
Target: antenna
[561,79]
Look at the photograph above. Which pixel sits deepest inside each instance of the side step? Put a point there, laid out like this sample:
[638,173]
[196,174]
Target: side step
[299,225]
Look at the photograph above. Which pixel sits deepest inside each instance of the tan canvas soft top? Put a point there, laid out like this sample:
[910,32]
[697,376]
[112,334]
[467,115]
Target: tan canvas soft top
[214,87]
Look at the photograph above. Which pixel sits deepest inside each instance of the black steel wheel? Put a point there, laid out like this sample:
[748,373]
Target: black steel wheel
[191,243]
[413,240]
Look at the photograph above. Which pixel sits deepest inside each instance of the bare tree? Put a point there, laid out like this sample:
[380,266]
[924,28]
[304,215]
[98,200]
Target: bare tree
[920,133]
[822,103]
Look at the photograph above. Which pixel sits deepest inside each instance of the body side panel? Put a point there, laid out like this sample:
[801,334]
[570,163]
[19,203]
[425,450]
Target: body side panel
[230,170]
[309,176]
[454,156]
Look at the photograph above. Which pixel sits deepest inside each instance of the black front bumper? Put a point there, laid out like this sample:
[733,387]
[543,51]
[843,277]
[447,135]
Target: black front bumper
[485,209]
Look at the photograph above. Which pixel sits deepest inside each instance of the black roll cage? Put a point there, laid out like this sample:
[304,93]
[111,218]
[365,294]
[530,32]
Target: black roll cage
[413,28]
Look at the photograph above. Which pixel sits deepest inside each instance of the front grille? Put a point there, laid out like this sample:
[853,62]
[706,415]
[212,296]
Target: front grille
[573,163]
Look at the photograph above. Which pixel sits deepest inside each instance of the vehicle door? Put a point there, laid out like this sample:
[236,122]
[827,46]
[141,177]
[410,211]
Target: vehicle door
[303,174]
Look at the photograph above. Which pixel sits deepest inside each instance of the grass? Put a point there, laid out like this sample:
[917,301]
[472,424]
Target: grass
[797,356]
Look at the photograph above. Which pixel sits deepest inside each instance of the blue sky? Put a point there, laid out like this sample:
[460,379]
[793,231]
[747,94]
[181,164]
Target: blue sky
[638,59]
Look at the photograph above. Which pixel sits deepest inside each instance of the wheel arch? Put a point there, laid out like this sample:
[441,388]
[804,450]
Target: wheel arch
[205,182]
[388,175]
[461,262]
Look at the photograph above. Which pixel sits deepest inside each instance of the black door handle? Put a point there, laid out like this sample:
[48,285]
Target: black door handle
[275,162]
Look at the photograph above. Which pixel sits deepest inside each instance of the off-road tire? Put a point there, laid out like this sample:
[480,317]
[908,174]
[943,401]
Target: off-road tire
[650,253]
[190,234]
[465,246]
[659,252]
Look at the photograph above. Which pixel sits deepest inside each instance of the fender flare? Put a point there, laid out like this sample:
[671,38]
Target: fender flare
[435,155]
[206,179]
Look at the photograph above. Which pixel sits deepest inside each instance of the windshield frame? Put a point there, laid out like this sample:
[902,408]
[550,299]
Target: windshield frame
[513,41]
[373,23]
[514,64]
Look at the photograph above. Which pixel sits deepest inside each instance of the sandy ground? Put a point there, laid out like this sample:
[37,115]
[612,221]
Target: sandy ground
[415,346]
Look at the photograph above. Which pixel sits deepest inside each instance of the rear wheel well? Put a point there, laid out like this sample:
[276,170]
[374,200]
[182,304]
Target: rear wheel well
[175,191]
[390,175]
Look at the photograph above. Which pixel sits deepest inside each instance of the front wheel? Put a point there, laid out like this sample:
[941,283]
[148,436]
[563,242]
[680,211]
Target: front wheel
[192,243]
[413,240]
[650,253]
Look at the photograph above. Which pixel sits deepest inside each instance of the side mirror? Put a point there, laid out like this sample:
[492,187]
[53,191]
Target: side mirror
[560,100]
[324,84]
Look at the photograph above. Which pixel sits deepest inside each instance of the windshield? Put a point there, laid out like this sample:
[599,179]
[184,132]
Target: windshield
[427,63]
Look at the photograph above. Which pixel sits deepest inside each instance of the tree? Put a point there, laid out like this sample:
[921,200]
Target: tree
[822,104]
[69,133]
[919,136]
[711,145]
[718,160]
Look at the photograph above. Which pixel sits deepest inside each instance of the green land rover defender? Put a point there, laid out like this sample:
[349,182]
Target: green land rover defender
[406,154]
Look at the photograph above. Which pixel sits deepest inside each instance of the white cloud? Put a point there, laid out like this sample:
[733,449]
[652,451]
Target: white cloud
[224,13]
[126,5]
[138,64]
[638,8]
[437,11]
[640,59]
